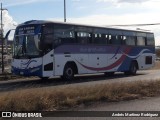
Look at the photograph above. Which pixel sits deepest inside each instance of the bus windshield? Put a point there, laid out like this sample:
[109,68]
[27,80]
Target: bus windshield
[27,41]
[25,46]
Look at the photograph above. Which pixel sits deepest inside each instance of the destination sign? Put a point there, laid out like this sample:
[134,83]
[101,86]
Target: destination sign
[26,30]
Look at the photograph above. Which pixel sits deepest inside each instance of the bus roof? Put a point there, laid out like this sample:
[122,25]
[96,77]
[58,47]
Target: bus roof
[67,23]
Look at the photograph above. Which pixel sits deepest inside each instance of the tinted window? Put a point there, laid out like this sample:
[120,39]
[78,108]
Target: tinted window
[150,40]
[130,40]
[109,39]
[48,37]
[83,34]
[124,40]
[115,40]
[48,29]
[63,34]
[83,37]
[141,41]
[100,38]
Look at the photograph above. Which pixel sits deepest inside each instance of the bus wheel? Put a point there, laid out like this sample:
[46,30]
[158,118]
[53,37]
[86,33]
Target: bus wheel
[132,69]
[68,73]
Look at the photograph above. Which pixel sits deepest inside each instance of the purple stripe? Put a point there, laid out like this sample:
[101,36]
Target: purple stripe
[89,49]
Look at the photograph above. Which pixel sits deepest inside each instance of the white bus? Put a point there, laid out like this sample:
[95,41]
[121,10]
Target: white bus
[47,49]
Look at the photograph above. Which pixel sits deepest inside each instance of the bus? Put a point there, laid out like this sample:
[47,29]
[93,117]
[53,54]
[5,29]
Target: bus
[47,49]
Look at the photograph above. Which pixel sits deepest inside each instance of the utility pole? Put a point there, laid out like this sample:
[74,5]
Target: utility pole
[64,10]
[2,38]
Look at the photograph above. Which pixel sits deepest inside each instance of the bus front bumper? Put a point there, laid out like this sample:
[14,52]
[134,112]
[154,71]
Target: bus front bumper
[36,71]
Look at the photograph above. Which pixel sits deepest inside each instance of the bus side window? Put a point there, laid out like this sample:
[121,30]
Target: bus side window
[63,34]
[123,40]
[83,37]
[130,40]
[120,39]
[116,40]
[145,41]
[90,37]
[48,42]
[106,38]
[141,41]
[96,38]
[67,37]
[109,39]
[113,39]
[48,38]
[150,41]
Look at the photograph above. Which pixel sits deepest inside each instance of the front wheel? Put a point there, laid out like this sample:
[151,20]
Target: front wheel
[68,73]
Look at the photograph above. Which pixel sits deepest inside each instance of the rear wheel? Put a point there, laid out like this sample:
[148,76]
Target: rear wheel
[132,69]
[68,73]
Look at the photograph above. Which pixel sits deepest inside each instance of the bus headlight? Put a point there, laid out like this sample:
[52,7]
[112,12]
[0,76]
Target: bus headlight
[34,70]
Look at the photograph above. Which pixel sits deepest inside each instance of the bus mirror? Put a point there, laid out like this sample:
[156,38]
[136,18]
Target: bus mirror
[37,42]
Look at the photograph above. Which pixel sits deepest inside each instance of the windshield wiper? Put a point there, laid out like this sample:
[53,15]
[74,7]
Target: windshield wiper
[19,48]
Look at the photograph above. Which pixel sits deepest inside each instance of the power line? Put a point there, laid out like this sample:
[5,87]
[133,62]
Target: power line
[137,24]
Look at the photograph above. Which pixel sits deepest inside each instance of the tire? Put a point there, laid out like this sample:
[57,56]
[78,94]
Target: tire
[132,69]
[68,72]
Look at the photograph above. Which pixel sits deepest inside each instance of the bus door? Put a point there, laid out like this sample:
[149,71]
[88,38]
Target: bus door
[48,64]
[48,52]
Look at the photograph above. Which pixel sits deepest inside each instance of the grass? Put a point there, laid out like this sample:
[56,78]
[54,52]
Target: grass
[52,99]
[157,65]
[8,76]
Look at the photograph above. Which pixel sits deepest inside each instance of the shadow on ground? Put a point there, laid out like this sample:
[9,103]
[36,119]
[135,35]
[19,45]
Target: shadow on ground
[38,83]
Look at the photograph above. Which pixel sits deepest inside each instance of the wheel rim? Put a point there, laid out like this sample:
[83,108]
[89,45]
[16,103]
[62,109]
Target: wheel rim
[69,72]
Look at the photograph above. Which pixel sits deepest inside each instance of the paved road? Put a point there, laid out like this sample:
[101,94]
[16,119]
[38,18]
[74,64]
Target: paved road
[144,104]
[84,80]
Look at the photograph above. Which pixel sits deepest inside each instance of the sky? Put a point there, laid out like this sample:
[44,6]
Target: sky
[92,12]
